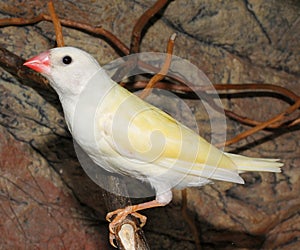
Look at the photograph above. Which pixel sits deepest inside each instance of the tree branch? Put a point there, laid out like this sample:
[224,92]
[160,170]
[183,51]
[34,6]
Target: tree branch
[57,25]
[142,22]
[164,70]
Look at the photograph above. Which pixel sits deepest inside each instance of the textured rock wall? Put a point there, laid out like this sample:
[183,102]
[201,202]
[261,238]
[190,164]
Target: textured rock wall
[48,202]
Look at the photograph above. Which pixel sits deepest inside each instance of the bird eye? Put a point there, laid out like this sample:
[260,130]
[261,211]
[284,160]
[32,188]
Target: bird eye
[67,59]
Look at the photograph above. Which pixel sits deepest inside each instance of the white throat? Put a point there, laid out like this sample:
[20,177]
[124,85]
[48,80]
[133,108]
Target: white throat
[80,108]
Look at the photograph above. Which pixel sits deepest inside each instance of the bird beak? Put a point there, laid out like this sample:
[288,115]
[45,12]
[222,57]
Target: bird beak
[40,63]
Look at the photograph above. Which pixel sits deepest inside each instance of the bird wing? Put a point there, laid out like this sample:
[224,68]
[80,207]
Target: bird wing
[140,131]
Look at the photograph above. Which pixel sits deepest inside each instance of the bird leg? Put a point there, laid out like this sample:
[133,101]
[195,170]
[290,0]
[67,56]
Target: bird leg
[121,214]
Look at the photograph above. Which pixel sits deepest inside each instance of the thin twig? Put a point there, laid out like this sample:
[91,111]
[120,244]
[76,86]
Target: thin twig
[71,24]
[183,89]
[136,39]
[265,124]
[142,22]
[164,70]
[57,25]
[294,123]
[258,86]
[218,86]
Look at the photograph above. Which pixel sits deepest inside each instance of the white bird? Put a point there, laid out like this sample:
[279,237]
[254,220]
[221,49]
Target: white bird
[126,135]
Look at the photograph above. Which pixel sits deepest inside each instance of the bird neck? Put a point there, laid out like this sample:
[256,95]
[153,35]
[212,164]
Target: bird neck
[81,107]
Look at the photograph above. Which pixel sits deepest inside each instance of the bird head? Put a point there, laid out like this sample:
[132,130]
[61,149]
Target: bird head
[68,69]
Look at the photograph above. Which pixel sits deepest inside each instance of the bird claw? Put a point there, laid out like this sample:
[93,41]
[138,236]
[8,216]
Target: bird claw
[112,238]
[120,216]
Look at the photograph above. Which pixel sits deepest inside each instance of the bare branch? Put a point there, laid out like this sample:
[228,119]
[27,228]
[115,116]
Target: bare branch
[164,70]
[141,23]
[57,25]
[99,31]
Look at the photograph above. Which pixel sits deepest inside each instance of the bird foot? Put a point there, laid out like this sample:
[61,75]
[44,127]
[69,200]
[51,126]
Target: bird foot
[120,216]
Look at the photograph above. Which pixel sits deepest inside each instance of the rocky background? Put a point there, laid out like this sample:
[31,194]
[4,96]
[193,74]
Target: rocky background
[47,201]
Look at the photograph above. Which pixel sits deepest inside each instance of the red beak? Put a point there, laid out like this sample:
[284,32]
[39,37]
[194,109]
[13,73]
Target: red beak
[40,63]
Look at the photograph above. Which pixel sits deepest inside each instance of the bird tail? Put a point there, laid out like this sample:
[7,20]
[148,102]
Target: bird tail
[245,163]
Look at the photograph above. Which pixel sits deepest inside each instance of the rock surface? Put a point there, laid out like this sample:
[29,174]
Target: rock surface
[47,201]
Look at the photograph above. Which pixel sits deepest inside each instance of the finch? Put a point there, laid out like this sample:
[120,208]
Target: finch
[124,134]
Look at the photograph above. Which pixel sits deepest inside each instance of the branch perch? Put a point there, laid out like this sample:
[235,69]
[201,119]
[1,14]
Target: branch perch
[128,228]
[130,237]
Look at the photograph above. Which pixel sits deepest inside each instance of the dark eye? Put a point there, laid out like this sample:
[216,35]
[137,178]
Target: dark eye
[67,59]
